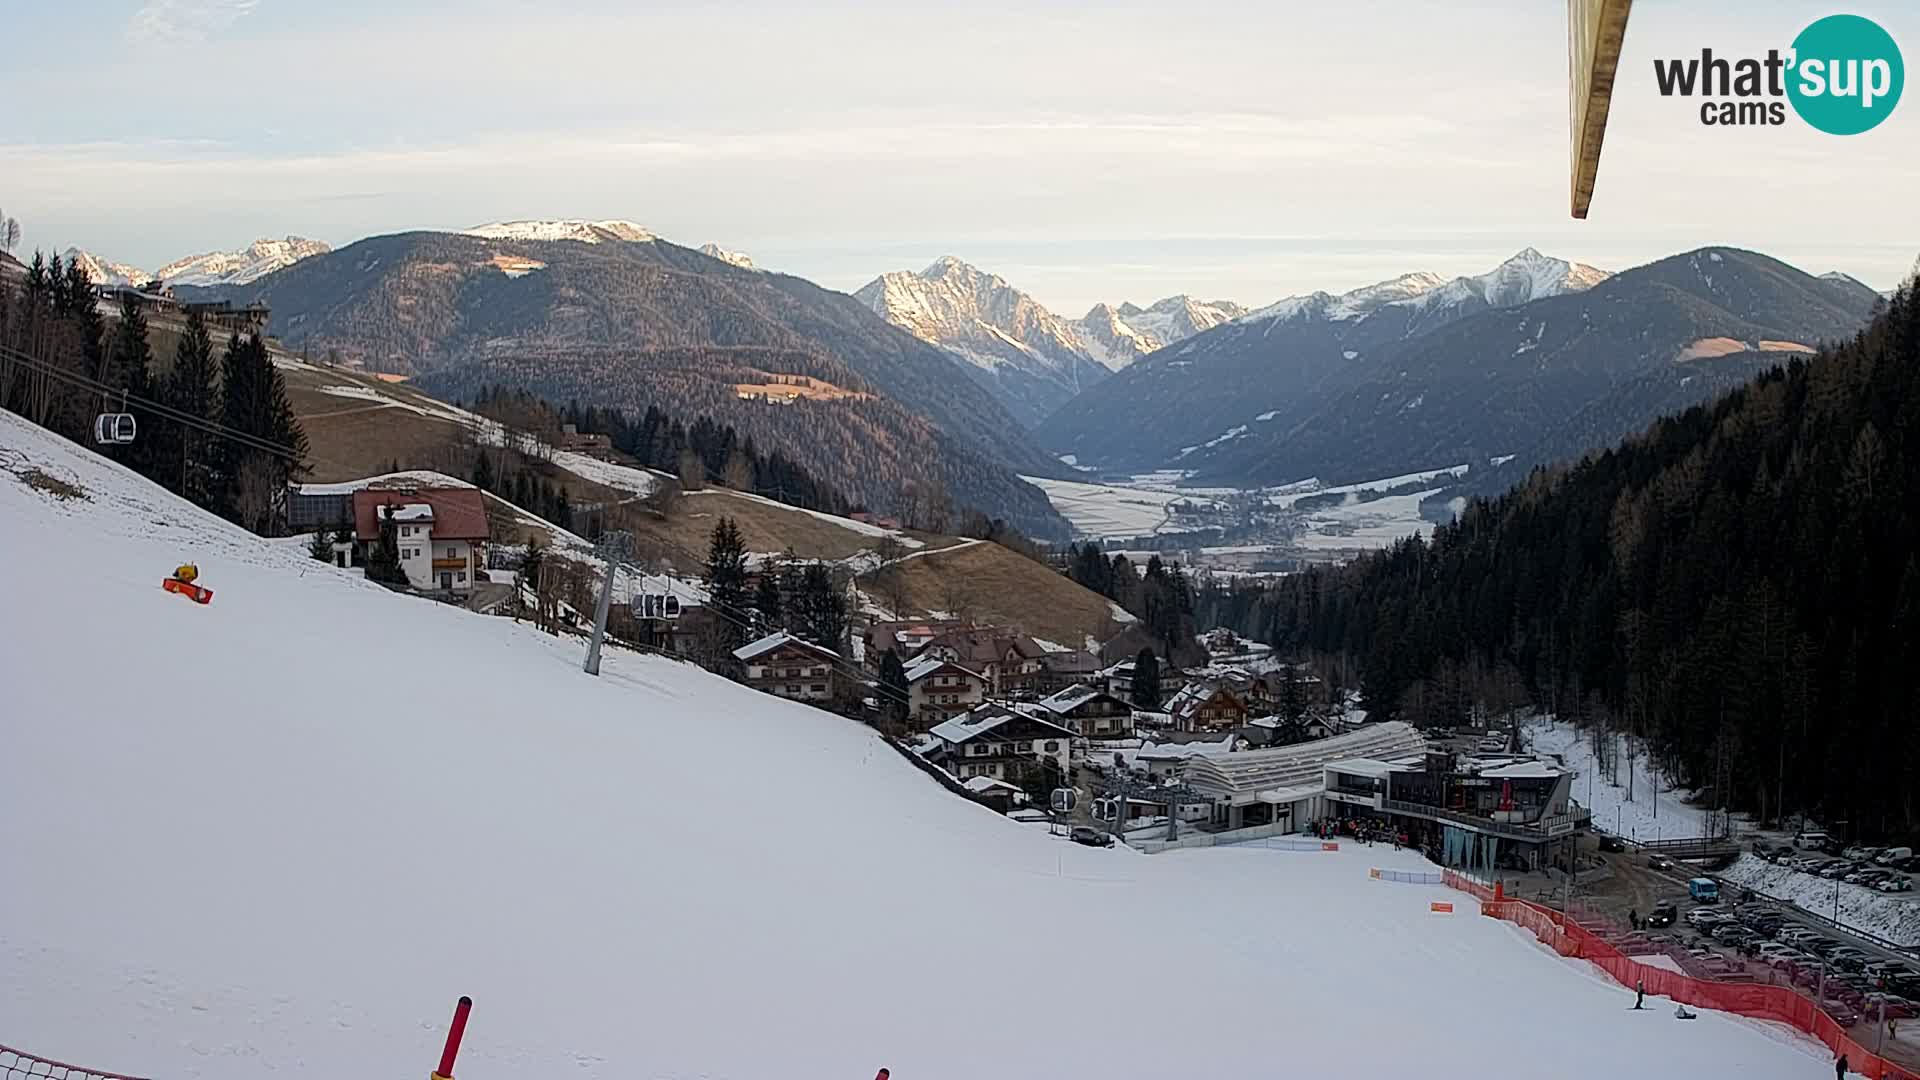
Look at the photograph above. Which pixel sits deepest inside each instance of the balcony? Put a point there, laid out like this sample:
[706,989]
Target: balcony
[449,564]
[1546,828]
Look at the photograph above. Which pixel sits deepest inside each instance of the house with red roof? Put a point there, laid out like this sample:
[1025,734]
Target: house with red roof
[441,532]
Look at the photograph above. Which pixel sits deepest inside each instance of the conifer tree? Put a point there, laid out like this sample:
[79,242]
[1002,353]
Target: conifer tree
[131,369]
[766,601]
[727,577]
[189,389]
[1146,680]
[893,686]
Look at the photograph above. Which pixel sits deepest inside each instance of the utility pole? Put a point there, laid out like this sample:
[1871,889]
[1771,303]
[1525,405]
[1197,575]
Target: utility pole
[614,547]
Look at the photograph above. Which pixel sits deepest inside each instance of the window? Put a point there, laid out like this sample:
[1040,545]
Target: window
[406,530]
[1053,746]
[819,688]
[977,749]
[792,689]
[460,575]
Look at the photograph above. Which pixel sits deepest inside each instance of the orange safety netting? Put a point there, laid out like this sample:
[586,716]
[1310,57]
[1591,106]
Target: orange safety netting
[20,1065]
[1761,1002]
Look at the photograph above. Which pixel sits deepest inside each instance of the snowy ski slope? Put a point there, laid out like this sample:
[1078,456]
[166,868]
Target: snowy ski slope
[278,835]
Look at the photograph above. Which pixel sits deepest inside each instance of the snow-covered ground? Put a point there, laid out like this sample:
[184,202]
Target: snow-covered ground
[1145,507]
[1638,819]
[279,834]
[1364,525]
[1892,916]
[1102,510]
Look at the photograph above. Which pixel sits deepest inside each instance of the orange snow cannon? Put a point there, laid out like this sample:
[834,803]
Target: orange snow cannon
[182,582]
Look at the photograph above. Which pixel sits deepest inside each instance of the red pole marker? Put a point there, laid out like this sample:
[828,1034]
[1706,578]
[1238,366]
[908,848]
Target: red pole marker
[459,1028]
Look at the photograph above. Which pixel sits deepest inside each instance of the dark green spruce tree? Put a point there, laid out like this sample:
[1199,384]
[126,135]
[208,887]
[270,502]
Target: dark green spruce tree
[1146,680]
[893,688]
[727,580]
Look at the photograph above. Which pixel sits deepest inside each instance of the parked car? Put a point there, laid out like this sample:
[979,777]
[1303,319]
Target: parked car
[1894,884]
[1861,853]
[1842,1014]
[1662,915]
[1894,854]
[1090,836]
[1838,868]
[1811,839]
[1704,890]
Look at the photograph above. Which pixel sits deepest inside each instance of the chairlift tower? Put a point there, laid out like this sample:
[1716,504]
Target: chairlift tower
[1124,786]
[615,546]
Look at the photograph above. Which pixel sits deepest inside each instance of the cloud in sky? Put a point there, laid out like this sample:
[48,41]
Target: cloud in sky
[174,21]
[1242,151]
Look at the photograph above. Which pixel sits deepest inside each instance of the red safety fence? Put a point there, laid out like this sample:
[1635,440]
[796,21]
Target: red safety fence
[1761,1002]
[18,1064]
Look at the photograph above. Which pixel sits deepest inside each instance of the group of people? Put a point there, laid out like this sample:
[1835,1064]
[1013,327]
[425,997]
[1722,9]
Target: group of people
[1367,832]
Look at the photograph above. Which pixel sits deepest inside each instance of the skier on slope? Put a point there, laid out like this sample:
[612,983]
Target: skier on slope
[1840,1068]
[1639,993]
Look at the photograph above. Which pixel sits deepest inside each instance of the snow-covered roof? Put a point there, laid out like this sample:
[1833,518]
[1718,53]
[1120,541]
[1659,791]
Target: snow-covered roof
[776,640]
[986,719]
[980,785]
[1183,751]
[1361,767]
[413,512]
[1242,776]
[927,665]
[1072,697]
[1525,770]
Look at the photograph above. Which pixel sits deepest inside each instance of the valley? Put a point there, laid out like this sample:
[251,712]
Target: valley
[1252,531]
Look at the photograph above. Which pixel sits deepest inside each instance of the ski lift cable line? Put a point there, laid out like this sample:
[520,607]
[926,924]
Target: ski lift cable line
[165,412]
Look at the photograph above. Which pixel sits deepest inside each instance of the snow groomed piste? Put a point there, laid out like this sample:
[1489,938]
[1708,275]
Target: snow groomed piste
[370,805]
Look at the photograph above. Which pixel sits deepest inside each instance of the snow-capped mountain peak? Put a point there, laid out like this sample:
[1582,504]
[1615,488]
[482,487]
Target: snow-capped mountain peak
[1035,359]
[1528,275]
[260,258]
[731,258]
[102,272]
[586,232]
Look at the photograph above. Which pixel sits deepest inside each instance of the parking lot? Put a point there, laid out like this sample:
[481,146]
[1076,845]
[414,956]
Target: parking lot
[1735,939]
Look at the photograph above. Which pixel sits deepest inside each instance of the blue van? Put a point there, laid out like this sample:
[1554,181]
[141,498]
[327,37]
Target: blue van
[1704,890]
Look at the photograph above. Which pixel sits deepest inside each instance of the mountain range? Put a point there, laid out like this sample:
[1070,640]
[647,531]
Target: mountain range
[1421,372]
[1032,359]
[256,260]
[607,313]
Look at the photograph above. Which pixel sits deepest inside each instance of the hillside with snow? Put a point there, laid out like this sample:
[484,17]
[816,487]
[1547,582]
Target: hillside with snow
[280,833]
[106,272]
[731,258]
[257,260]
[586,232]
[1032,359]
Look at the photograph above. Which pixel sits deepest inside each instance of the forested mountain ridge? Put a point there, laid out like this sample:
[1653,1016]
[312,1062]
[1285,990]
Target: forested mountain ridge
[632,324]
[1739,585]
[1402,388]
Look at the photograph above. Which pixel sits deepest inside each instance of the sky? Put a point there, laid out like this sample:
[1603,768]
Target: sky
[1088,153]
